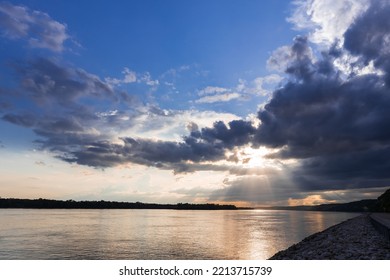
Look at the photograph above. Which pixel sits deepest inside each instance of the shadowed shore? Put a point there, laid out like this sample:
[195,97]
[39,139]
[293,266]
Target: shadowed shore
[354,239]
[71,204]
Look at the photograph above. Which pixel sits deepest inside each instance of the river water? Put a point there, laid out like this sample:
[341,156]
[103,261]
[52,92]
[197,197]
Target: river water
[31,234]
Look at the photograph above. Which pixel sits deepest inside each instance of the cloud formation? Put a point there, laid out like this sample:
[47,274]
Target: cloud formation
[38,28]
[336,126]
[63,105]
[244,90]
[212,94]
[130,77]
[81,119]
[369,37]
[205,145]
[332,124]
[222,97]
[326,21]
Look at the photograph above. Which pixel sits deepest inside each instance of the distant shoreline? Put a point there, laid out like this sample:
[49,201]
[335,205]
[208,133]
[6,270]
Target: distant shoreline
[381,204]
[71,204]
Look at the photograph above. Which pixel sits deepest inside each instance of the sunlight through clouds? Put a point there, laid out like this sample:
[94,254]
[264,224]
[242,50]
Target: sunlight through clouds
[328,20]
[161,108]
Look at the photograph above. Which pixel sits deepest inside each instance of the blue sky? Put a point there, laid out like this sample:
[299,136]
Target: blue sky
[198,101]
[219,42]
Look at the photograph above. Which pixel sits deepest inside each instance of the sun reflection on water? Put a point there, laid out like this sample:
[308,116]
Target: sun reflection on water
[155,234]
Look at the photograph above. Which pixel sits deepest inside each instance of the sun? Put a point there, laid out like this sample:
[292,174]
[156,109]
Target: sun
[255,158]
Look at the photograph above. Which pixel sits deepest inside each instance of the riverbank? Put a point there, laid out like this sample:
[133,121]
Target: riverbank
[354,239]
[71,204]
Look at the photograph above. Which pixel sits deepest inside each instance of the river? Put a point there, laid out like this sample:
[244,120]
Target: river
[31,234]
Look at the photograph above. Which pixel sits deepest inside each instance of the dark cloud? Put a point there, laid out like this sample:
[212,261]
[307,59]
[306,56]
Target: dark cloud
[38,28]
[336,126]
[326,116]
[208,144]
[3,105]
[64,134]
[238,133]
[299,62]
[50,83]
[353,170]
[301,65]
[22,120]
[65,106]
[369,36]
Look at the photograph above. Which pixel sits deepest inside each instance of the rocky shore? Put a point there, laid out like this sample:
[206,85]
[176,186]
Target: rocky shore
[354,239]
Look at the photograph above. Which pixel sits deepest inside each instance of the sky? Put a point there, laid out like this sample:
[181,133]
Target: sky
[251,103]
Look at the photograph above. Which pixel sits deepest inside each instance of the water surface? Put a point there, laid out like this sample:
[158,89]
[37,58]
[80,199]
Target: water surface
[155,234]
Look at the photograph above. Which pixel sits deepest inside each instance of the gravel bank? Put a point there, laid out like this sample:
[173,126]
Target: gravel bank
[354,239]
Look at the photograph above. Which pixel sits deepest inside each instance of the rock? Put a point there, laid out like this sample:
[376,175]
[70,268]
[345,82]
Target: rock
[350,240]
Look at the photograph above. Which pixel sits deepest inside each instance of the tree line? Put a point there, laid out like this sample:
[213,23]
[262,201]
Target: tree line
[102,204]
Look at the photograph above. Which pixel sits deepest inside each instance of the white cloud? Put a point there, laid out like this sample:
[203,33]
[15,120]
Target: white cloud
[212,94]
[241,85]
[170,125]
[155,123]
[264,85]
[175,72]
[348,65]
[147,79]
[41,31]
[224,97]
[280,59]
[284,56]
[260,86]
[211,90]
[113,81]
[130,77]
[326,20]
